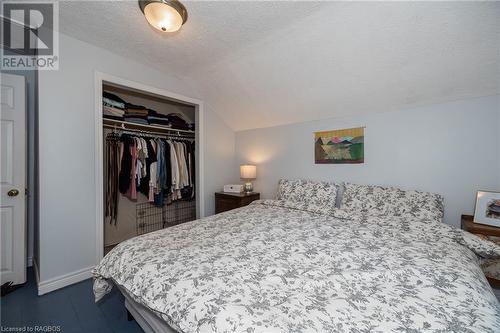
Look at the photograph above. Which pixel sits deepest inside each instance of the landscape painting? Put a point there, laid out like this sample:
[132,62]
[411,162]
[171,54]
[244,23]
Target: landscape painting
[344,146]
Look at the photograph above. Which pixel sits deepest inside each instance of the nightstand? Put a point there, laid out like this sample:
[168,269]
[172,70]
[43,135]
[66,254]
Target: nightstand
[491,267]
[225,201]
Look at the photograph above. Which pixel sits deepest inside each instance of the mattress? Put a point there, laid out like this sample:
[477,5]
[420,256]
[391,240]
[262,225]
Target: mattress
[269,267]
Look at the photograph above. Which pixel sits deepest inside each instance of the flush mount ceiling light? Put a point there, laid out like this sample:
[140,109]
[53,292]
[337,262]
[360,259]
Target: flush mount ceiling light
[164,15]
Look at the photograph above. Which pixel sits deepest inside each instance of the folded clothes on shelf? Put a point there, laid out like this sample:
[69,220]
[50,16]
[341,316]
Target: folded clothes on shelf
[136,108]
[112,100]
[178,122]
[135,115]
[159,121]
[116,108]
[108,116]
[137,120]
[112,111]
[153,113]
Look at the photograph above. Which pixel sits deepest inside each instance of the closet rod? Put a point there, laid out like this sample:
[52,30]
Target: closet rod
[125,124]
[150,133]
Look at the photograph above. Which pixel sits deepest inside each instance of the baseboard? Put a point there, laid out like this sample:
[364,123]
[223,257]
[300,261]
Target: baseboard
[62,281]
[29,262]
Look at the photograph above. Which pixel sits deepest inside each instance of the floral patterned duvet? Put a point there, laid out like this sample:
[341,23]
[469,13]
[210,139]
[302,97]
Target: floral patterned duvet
[268,267]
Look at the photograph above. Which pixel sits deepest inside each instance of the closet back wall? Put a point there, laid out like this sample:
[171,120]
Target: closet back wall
[67,236]
[450,148]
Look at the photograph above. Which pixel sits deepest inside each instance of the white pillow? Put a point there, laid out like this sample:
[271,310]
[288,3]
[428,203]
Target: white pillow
[358,200]
[314,196]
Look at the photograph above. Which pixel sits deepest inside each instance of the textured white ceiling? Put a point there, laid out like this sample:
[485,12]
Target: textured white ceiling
[261,64]
[213,29]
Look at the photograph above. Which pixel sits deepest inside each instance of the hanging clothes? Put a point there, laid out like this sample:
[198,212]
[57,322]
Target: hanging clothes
[132,189]
[175,189]
[179,149]
[161,173]
[191,167]
[168,168]
[190,147]
[125,163]
[149,159]
[161,169]
[152,173]
[111,174]
[138,167]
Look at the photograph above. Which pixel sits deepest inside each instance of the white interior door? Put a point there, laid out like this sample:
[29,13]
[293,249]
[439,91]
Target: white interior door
[13,179]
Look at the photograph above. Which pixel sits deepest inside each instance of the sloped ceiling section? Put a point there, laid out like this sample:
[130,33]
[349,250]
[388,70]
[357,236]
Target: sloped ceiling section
[261,64]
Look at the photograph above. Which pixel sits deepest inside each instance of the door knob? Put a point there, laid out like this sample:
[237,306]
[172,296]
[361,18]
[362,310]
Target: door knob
[13,193]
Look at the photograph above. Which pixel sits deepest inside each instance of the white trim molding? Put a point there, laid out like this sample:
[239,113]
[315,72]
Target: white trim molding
[37,272]
[101,78]
[62,281]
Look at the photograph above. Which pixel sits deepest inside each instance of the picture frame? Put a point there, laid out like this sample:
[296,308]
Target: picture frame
[341,146]
[487,210]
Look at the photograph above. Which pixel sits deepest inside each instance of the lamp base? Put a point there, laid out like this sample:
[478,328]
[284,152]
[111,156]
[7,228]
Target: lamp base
[248,187]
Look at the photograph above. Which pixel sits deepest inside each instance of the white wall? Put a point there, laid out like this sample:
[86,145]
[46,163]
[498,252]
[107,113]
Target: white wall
[450,148]
[67,138]
[220,166]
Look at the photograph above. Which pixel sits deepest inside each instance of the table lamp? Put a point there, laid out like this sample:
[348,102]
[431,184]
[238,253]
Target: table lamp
[248,172]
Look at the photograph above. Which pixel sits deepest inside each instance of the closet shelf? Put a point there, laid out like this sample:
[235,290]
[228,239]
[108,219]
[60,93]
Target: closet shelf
[134,126]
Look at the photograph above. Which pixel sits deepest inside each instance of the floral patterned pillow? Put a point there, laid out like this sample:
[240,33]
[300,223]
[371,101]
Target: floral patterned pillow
[313,196]
[359,200]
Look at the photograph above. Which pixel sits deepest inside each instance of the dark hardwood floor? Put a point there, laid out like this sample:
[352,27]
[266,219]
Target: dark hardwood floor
[71,308]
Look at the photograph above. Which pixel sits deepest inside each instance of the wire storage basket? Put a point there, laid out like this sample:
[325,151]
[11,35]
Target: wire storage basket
[151,218]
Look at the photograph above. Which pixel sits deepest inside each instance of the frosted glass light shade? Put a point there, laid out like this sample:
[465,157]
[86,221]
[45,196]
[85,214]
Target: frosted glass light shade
[248,171]
[164,15]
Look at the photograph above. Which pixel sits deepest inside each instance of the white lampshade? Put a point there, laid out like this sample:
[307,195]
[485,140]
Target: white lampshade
[248,171]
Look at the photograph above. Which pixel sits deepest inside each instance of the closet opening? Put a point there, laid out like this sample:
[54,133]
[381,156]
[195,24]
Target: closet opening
[149,161]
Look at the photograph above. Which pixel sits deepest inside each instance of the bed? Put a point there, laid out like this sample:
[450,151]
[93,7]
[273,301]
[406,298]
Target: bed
[378,260]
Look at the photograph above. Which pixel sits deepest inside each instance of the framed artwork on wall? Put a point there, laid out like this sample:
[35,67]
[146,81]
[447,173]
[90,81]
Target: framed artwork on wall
[345,146]
[487,208]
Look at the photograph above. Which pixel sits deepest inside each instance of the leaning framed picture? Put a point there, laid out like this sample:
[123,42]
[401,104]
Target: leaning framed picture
[487,208]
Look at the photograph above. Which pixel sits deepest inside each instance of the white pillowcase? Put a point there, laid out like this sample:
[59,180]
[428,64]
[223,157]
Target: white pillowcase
[370,200]
[313,196]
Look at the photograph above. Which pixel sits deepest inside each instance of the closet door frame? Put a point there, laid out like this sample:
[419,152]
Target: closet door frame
[103,78]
